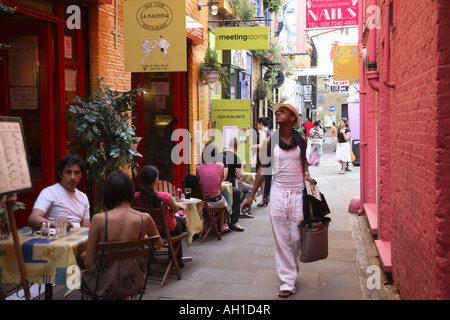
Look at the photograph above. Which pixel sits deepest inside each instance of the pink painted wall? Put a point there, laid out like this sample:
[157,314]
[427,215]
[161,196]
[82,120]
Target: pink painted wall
[410,140]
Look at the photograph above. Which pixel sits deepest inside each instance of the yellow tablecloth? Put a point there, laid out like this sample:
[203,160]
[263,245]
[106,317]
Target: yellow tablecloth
[249,177]
[46,259]
[226,188]
[193,210]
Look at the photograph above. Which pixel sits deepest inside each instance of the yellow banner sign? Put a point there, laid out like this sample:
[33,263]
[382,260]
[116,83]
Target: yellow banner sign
[155,35]
[242,38]
[346,63]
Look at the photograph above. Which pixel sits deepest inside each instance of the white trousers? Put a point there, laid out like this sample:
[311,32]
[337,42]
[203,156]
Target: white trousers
[286,213]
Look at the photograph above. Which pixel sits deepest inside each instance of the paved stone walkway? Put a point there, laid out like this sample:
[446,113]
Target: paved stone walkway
[241,266]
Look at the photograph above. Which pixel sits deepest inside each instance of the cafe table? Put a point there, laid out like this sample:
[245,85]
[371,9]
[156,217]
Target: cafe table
[193,210]
[46,259]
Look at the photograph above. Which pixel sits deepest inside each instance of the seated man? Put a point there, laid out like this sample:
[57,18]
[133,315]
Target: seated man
[234,170]
[63,198]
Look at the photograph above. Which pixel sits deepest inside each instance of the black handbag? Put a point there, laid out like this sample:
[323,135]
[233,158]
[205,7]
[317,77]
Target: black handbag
[314,228]
[314,208]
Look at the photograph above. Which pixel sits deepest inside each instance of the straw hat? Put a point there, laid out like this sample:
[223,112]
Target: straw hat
[293,108]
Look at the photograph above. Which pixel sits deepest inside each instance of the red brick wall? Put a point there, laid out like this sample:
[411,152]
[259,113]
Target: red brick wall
[442,184]
[413,130]
[107,61]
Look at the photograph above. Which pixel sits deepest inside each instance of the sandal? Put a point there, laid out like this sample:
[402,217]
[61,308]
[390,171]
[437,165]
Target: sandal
[224,229]
[246,215]
[284,293]
[236,227]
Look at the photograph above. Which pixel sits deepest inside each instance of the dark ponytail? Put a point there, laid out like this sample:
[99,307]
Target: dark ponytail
[148,175]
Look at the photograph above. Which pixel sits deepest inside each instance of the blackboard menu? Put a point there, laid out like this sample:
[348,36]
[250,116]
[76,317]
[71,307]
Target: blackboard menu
[15,171]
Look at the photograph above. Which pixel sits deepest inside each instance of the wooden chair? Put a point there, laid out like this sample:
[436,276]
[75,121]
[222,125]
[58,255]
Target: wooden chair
[165,186]
[212,216]
[173,243]
[121,250]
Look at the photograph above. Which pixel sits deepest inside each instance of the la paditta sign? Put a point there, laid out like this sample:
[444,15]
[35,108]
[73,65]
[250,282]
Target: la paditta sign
[242,38]
[155,35]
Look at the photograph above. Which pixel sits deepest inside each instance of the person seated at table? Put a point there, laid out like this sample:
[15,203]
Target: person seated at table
[211,174]
[119,222]
[63,198]
[234,171]
[148,197]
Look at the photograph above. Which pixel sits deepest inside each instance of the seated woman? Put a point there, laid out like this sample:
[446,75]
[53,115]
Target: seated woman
[147,197]
[211,174]
[118,223]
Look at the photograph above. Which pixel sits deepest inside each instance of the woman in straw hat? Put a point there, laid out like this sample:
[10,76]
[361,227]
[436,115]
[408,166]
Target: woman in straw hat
[286,156]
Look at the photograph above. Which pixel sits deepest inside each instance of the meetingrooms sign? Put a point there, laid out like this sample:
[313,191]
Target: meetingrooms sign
[242,38]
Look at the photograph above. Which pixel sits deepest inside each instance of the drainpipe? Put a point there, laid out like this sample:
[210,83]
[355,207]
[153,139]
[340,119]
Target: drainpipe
[387,44]
[372,74]
[362,114]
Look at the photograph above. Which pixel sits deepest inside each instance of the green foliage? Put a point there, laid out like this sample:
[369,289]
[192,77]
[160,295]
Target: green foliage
[103,127]
[211,63]
[17,206]
[267,83]
[244,9]
[273,6]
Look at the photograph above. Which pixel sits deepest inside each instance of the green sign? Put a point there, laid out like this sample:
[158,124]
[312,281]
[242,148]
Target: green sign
[233,119]
[242,38]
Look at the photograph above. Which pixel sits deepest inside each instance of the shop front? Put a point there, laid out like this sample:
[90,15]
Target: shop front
[42,68]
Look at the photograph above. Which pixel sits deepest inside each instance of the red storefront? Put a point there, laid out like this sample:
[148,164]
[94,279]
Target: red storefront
[405,134]
[43,69]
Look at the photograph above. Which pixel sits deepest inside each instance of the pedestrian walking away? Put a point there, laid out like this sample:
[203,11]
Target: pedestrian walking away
[263,132]
[285,156]
[316,136]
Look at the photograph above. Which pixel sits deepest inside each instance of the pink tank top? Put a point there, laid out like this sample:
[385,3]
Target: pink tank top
[210,175]
[287,168]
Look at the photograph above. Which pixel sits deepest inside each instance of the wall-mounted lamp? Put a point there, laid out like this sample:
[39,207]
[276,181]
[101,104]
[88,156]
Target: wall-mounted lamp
[212,4]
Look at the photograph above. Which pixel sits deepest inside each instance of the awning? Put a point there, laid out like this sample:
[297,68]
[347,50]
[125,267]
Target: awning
[194,30]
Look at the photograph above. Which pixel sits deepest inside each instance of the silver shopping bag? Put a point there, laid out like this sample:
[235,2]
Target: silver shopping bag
[314,239]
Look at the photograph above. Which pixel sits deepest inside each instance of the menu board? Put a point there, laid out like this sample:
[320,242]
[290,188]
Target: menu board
[15,172]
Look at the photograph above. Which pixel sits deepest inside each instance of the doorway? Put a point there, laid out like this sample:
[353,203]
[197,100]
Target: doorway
[39,75]
[160,110]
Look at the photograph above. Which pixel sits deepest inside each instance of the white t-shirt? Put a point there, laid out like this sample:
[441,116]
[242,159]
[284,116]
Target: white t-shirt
[316,136]
[54,200]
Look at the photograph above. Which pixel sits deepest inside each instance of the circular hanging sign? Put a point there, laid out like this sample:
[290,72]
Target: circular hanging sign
[279,79]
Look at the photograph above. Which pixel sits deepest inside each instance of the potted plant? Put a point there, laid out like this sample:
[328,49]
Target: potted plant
[211,69]
[267,83]
[103,127]
[245,10]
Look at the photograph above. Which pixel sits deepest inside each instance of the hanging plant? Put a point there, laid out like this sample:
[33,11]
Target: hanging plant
[244,10]
[266,85]
[211,69]
[273,6]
